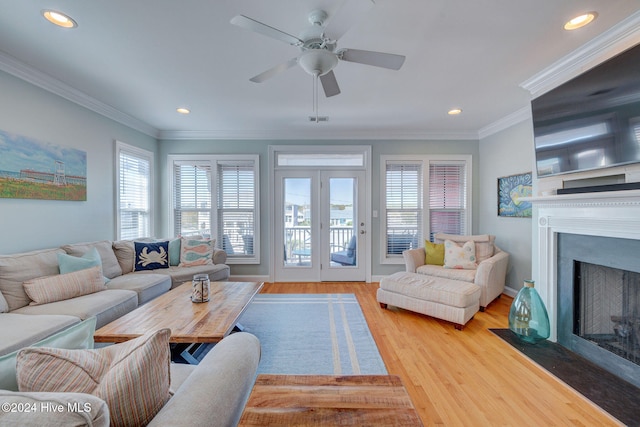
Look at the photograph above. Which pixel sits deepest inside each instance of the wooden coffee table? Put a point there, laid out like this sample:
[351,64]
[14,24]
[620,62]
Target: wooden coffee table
[326,400]
[189,322]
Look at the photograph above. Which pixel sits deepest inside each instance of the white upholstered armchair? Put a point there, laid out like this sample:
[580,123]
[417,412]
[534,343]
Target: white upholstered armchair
[490,274]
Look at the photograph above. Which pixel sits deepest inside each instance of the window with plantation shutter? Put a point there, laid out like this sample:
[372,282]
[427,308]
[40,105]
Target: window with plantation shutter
[236,207]
[447,198]
[134,182]
[192,199]
[216,196]
[422,196]
[403,206]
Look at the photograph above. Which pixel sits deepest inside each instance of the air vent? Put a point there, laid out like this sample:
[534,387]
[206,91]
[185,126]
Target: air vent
[318,119]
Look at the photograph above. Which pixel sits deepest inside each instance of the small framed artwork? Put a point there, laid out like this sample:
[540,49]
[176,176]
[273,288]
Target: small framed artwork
[511,190]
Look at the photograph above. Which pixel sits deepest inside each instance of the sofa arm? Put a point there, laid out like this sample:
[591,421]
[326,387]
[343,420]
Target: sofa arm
[491,276]
[219,256]
[413,258]
[218,388]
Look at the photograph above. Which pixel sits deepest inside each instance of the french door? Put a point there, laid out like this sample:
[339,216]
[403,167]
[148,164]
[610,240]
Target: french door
[320,231]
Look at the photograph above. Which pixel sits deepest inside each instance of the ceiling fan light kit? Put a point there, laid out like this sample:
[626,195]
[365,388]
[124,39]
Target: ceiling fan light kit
[319,54]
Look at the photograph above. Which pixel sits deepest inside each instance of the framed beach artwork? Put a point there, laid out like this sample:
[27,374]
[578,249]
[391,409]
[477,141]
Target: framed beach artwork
[511,190]
[32,169]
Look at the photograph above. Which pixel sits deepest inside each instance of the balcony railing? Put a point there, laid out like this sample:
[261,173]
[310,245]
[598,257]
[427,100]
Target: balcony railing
[297,241]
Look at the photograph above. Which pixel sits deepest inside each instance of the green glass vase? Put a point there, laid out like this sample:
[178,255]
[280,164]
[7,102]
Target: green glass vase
[528,317]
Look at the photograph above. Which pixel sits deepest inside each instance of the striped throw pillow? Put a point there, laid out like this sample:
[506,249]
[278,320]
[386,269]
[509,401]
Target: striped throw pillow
[131,377]
[64,286]
[196,252]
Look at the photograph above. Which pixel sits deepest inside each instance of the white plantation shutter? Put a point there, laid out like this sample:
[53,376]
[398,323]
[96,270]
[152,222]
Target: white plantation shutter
[192,198]
[447,198]
[216,196]
[134,172]
[236,206]
[403,206]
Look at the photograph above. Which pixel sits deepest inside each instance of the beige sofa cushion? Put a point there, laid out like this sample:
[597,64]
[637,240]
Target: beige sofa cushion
[446,273]
[484,243]
[106,306]
[110,266]
[132,377]
[77,409]
[19,330]
[64,286]
[16,269]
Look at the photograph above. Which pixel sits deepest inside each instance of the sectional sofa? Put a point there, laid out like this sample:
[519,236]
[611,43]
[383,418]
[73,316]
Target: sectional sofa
[23,323]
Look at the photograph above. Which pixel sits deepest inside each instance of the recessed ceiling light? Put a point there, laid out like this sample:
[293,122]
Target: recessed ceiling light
[183,110]
[454,111]
[580,21]
[59,19]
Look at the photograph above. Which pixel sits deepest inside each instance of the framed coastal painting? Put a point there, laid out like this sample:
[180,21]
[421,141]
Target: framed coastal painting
[32,169]
[511,190]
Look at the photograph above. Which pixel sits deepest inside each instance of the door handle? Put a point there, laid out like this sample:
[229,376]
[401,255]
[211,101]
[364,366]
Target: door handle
[362,231]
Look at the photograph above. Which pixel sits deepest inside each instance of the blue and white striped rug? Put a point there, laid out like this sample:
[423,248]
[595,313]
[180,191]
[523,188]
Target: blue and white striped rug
[319,334]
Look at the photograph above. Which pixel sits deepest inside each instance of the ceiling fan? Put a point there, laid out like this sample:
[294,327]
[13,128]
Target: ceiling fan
[319,45]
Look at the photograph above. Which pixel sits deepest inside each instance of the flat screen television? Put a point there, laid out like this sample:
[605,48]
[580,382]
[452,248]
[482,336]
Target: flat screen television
[591,121]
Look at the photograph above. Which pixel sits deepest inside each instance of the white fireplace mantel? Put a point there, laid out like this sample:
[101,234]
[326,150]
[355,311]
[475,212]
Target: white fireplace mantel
[608,214]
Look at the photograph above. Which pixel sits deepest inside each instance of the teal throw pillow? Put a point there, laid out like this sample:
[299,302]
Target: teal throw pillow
[69,263]
[174,252]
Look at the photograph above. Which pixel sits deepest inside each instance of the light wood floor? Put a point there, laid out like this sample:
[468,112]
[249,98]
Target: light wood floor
[463,378]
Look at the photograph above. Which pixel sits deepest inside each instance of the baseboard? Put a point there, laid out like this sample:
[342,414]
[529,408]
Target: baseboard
[510,291]
[256,278]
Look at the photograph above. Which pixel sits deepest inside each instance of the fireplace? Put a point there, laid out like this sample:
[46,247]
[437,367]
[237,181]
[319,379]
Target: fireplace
[587,271]
[598,295]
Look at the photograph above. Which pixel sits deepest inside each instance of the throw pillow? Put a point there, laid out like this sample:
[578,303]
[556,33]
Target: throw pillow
[460,257]
[434,253]
[4,306]
[64,286]
[174,251]
[69,263]
[151,256]
[131,377]
[196,252]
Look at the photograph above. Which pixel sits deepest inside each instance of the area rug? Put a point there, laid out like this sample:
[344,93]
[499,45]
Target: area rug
[619,398]
[319,334]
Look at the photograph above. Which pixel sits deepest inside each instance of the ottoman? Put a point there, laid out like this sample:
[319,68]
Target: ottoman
[452,300]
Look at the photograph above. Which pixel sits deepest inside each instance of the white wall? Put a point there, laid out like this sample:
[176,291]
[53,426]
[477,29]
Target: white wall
[27,224]
[508,152]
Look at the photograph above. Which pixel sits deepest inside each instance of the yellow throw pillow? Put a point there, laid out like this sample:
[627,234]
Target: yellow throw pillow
[435,253]
[132,377]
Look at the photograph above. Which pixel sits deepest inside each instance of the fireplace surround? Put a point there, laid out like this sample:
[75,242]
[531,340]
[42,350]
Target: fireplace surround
[574,233]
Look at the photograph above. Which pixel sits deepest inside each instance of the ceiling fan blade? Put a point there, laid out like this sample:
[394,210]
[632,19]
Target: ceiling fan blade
[257,26]
[348,14]
[330,84]
[273,71]
[378,59]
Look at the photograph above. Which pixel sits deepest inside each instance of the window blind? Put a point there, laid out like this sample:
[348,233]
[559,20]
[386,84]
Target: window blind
[403,206]
[134,178]
[192,199]
[447,198]
[236,206]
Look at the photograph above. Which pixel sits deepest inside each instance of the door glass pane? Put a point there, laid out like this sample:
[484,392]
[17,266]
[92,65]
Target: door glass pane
[342,222]
[297,222]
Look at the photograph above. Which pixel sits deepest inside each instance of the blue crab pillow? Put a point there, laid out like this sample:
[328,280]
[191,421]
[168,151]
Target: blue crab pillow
[151,256]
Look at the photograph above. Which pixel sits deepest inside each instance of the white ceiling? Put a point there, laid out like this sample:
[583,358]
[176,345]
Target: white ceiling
[137,61]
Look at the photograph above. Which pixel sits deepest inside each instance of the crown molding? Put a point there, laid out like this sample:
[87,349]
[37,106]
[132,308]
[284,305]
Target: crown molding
[12,66]
[613,41]
[312,135]
[506,122]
